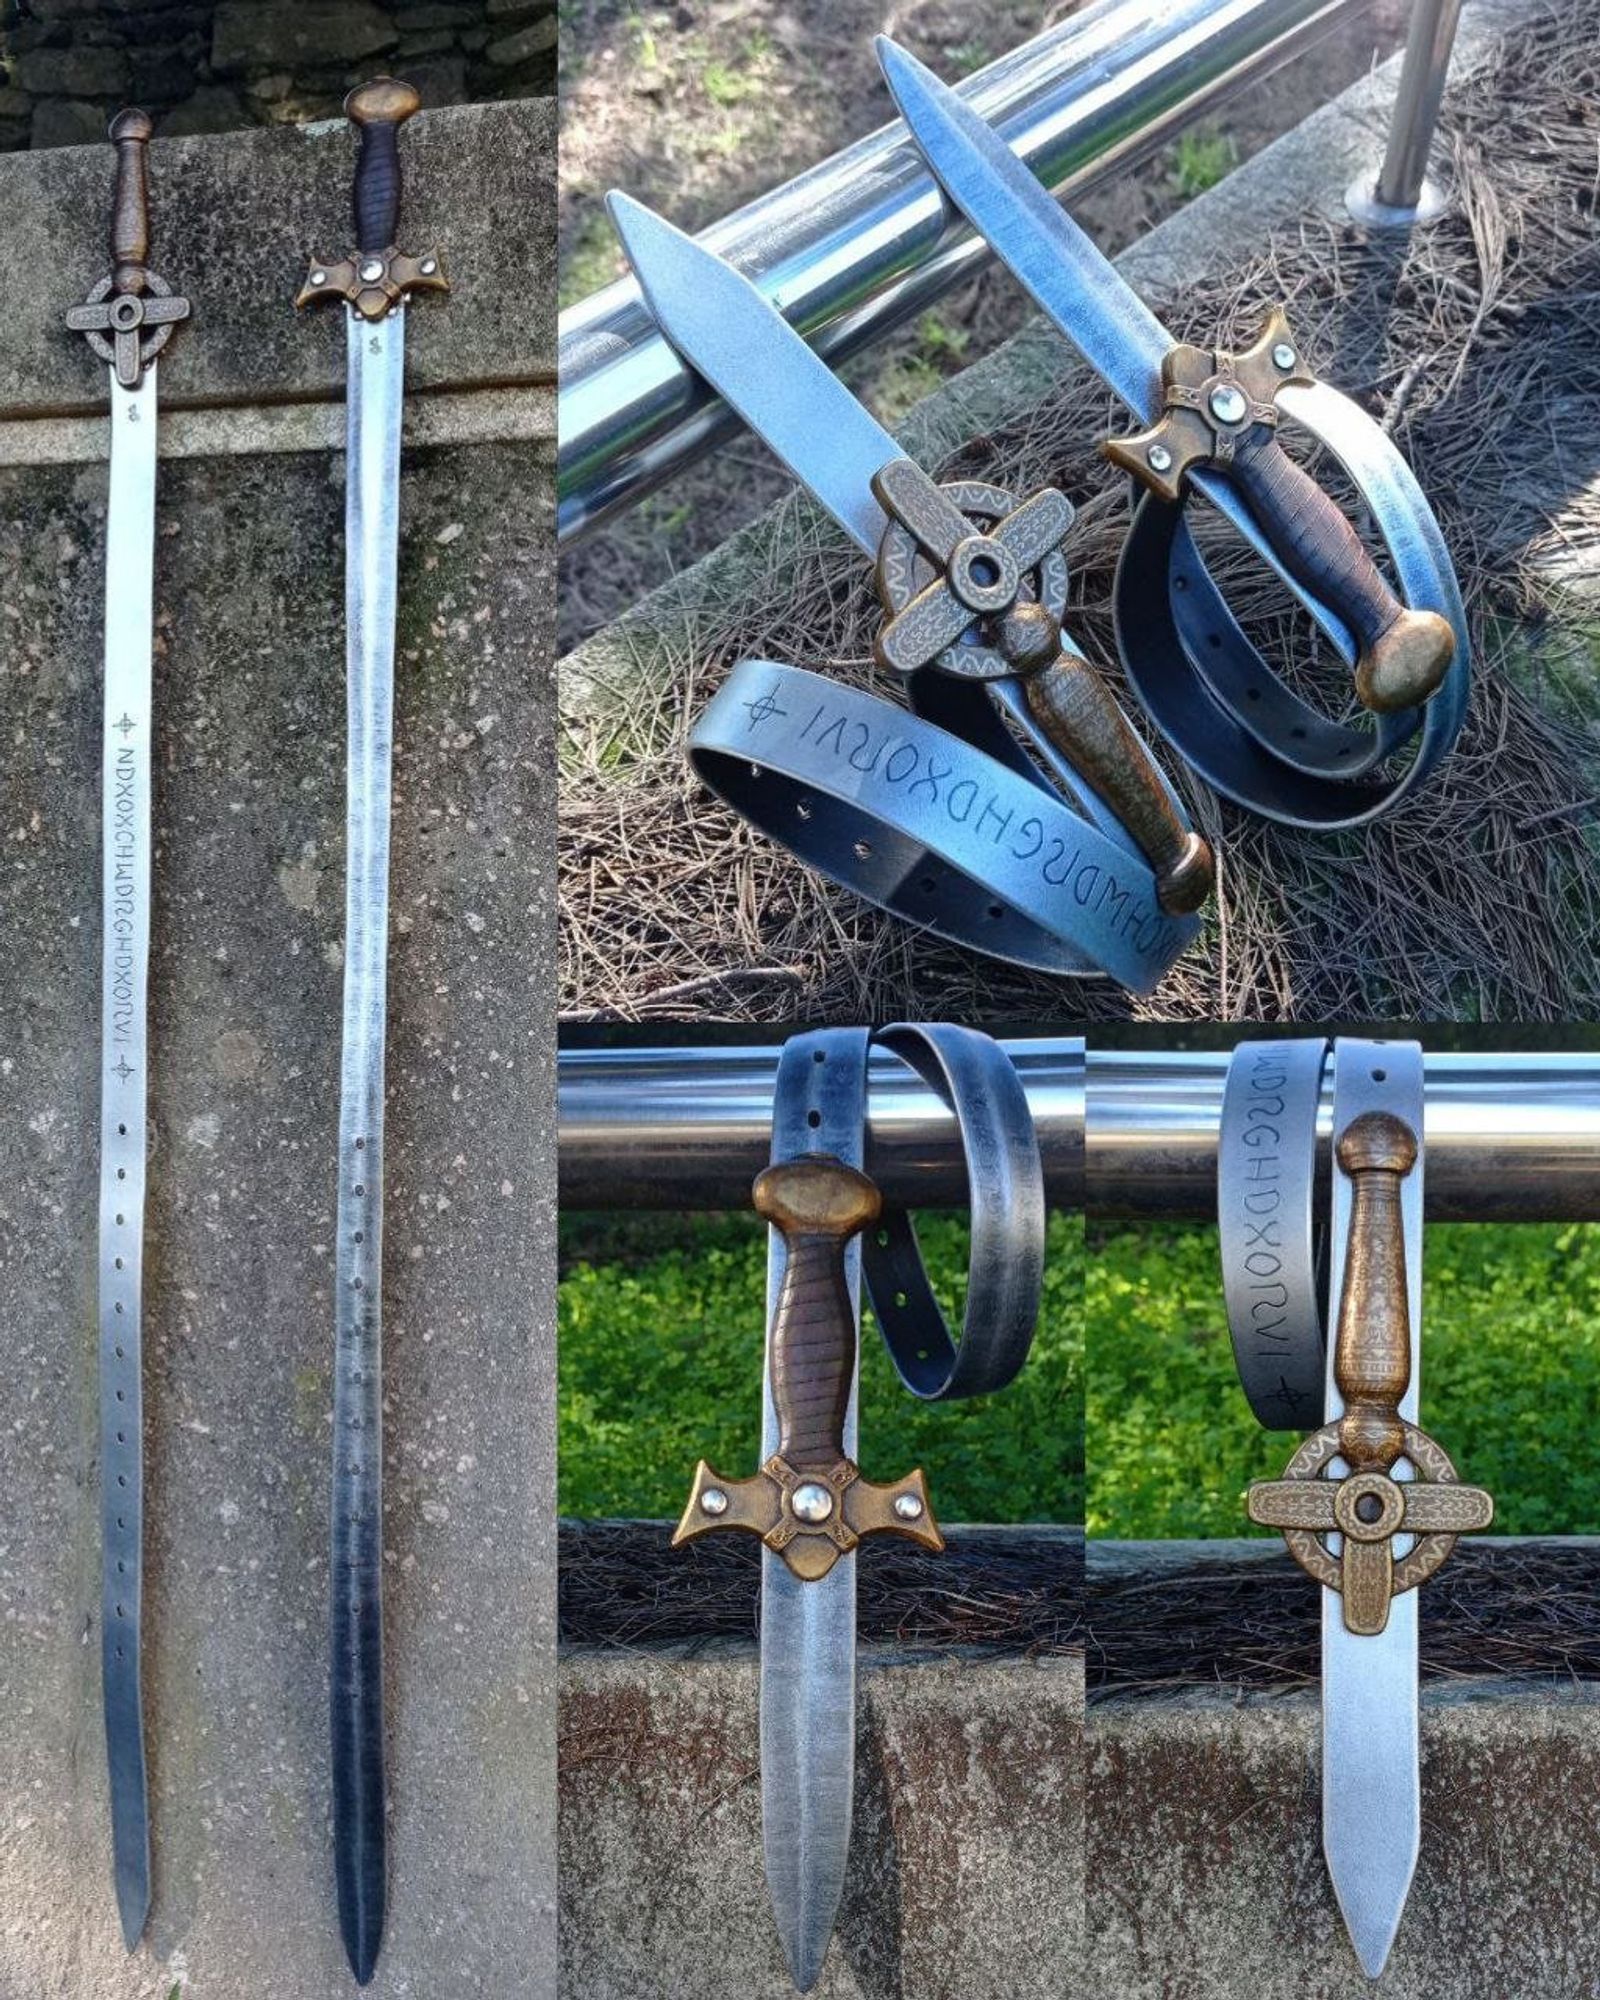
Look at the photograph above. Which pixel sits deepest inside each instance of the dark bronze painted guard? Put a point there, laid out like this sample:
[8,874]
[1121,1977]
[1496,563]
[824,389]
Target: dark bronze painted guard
[982,551]
[808,1502]
[1221,409]
[1372,1368]
[129,316]
[378,276]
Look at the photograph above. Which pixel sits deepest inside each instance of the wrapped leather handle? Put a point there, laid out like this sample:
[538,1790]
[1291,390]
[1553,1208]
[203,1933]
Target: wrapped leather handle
[1404,654]
[818,1205]
[130,133]
[378,110]
[1079,714]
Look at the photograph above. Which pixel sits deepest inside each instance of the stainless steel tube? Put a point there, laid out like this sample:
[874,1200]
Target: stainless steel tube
[1429,41]
[690,1128]
[1510,1138]
[863,242]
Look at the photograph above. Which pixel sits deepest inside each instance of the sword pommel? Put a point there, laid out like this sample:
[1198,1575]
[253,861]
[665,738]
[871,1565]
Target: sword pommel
[377,277]
[809,1503]
[129,316]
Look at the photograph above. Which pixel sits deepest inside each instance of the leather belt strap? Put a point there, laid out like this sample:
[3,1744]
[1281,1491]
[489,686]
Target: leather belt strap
[970,843]
[1272,1237]
[1218,702]
[124,1041]
[1282,1242]
[1005,1181]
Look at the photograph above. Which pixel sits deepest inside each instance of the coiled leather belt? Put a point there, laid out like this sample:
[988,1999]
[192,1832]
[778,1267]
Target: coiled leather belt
[1212,694]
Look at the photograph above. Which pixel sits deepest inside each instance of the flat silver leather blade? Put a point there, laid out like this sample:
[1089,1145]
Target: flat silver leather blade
[1069,276]
[376,357]
[733,335]
[1371,1779]
[125,860]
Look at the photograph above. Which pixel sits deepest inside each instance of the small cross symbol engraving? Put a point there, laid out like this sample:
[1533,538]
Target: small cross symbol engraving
[123,1069]
[126,724]
[762,709]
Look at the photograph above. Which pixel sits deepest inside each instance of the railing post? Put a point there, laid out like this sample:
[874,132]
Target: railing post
[1402,193]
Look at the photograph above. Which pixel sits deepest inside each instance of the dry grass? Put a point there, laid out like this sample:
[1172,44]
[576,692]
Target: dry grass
[1473,343]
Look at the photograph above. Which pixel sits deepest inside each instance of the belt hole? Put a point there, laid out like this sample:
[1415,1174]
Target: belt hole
[901,1300]
[1252,694]
[1299,735]
[883,1239]
[997,909]
[819,1055]
[1214,639]
[813,1119]
[1380,1076]
[1180,583]
[863,850]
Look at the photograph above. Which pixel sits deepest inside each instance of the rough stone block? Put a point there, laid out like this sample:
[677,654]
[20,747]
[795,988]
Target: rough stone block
[248,33]
[72,72]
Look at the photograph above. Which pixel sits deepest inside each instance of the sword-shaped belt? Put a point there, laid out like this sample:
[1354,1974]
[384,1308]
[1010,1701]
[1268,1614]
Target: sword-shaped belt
[128,318]
[808,1502]
[1211,419]
[1072,855]
[374,283]
[1369,1504]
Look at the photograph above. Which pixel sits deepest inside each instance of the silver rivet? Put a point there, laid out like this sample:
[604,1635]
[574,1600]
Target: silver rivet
[1160,458]
[713,1501]
[319,277]
[811,1502]
[1228,405]
[1283,356]
[431,264]
[372,270]
[908,1507]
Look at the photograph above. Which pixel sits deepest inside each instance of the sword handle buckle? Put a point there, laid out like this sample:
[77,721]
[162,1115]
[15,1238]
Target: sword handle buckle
[1367,1506]
[809,1502]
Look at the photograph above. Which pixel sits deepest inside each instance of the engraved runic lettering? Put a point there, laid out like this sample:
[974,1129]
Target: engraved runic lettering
[763,708]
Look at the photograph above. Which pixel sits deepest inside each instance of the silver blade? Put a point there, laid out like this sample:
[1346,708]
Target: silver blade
[125,860]
[739,341]
[1371,1781]
[1069,276]
[372,503]
[808,1711]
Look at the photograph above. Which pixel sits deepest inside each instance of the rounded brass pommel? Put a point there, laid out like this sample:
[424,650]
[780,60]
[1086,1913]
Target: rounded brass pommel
[1405,664]
[816,1197]
[1377,1142]
[133,125]
[383,101]
[1183,885]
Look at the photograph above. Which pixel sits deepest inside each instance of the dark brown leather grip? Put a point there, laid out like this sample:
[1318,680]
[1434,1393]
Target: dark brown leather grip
[1075,709]
[378,110]
[1404,654]
[1372,1357]
[130,133]
[818,1204]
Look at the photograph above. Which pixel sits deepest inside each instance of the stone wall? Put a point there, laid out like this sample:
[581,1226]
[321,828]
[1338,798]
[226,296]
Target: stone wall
[202,66]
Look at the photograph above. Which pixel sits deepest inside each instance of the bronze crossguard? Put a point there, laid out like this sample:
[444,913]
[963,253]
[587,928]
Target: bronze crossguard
[129,315]
[1221,409]
[808,1502]
[975,586]
[377,276]
[1372,1369]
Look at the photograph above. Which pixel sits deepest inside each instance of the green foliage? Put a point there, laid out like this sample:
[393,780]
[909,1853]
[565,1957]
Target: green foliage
[1202,159]
[1511,1379]
[593,259]
[661,1333]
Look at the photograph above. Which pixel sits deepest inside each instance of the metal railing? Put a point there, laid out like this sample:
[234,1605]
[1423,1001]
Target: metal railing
[1510,1137]
[863,242]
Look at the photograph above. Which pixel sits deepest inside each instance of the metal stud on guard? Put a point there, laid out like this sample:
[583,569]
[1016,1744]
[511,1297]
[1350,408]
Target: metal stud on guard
[809,1503]
[1368,1507]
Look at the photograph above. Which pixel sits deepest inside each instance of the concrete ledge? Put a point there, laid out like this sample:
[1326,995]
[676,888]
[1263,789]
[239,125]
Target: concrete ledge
[966,1857]
[1205,1874]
